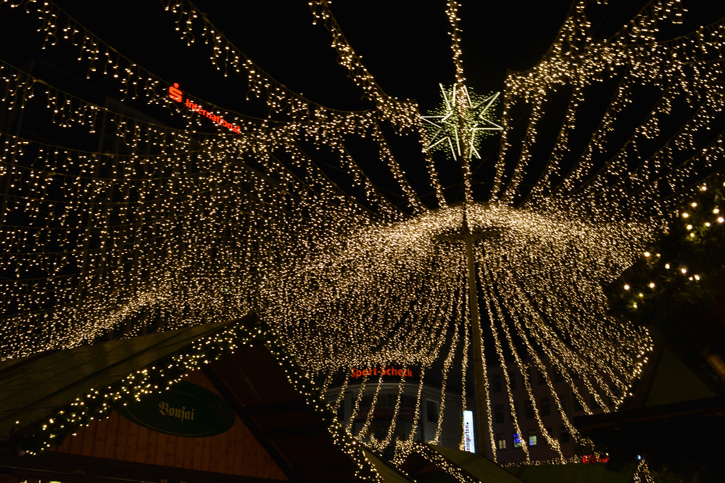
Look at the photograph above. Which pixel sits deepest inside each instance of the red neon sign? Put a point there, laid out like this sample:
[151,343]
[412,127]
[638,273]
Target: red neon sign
[592,458]
[385,371]
[178,96]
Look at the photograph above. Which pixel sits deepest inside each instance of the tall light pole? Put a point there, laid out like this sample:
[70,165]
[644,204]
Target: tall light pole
[469,237]
[458,122]
[478,370]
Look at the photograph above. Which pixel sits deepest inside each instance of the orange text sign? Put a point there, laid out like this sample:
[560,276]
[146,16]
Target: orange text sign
[378,371]
[178,96]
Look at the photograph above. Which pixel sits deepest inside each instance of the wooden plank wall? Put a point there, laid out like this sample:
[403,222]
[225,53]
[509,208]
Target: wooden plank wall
[235,452]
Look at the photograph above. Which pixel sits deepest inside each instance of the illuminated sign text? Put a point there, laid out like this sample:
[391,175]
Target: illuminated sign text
[186,410]
[469,440]
[181,413]
[178,96]
[384,371]
[592,458]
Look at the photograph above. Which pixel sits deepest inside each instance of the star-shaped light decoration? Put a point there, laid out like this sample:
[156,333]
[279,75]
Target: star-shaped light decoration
[444,125]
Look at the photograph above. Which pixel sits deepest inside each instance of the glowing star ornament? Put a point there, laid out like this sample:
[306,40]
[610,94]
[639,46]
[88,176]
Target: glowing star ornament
[446,127]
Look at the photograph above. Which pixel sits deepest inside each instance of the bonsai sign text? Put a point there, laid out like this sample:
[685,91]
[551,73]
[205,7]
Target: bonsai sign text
[184,410]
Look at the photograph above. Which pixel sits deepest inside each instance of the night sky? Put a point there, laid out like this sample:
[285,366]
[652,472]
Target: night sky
[405,45]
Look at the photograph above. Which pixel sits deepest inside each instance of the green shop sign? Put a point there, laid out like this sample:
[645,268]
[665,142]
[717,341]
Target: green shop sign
[184,410]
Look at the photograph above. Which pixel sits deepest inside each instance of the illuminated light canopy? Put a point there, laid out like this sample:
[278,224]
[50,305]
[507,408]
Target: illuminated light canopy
[201,223]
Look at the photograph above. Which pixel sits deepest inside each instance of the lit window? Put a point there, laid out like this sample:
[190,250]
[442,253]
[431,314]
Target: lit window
[517,440]
[501,441]
[532,438]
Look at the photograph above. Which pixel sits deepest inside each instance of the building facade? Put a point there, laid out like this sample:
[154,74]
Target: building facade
[508,441]
[387,410]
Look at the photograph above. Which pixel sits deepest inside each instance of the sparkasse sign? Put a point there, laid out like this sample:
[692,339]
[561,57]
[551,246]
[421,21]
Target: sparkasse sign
[178,96]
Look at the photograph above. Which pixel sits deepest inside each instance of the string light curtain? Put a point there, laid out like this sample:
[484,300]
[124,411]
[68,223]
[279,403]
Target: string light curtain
[207,221]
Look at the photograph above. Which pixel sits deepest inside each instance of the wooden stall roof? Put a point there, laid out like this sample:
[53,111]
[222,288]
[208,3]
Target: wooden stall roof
[476,467]
[574,472]
[33,387]
[669,388]
[424,468]
[286,422]
[283,420]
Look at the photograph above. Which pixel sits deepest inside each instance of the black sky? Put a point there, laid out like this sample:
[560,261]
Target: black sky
[404,44]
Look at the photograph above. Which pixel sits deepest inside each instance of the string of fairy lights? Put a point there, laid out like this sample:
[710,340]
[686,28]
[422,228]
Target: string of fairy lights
[680,266]
[164,227]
